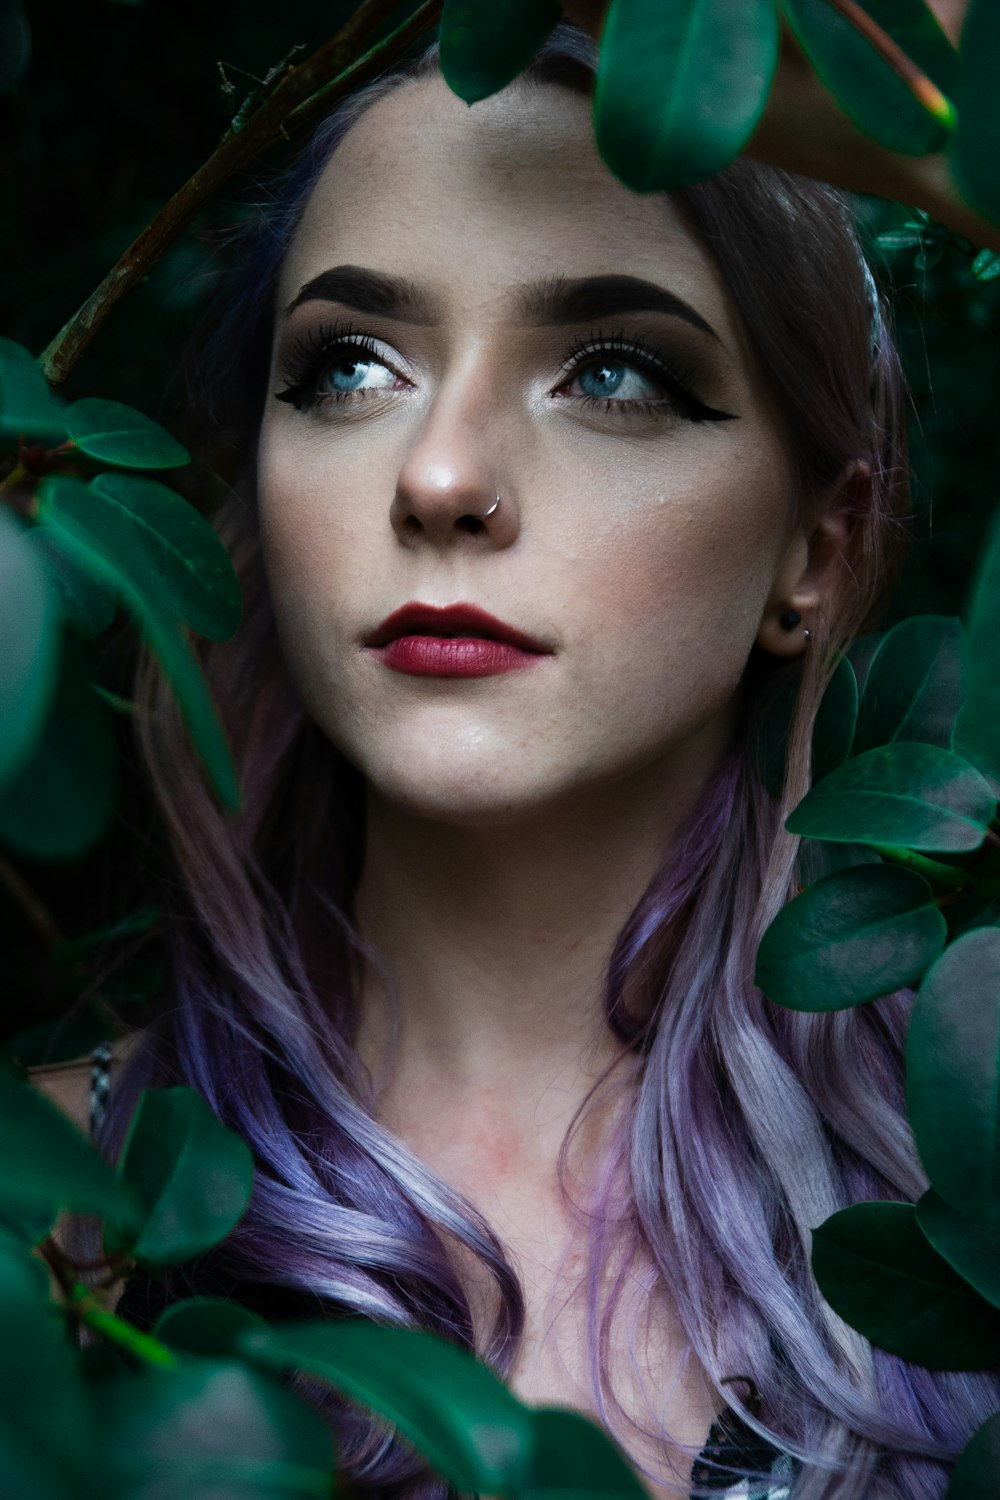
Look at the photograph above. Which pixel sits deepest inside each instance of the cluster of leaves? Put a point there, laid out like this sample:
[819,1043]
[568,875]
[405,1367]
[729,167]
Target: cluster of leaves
[202,1405]
[906,766]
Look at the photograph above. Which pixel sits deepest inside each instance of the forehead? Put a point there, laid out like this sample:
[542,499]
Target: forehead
[473,201]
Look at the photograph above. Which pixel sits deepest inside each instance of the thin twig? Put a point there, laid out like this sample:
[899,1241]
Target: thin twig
[36,912]
[923,89]
[298,96]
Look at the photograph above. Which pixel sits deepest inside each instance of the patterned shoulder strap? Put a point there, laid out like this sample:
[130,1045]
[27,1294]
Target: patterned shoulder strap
[100,1083]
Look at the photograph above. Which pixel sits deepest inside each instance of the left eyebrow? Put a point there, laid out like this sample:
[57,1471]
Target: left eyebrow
[547,303]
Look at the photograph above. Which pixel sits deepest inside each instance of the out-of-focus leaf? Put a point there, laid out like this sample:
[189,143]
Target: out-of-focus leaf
[877,1271]
[914,685]
[866,87]
[903,795]
[70,1037]
[976,742]
[85,604]
[28,407]
[975,146]
[484,47]
[61,802]
[206,1325]
[192,1176]
[681,86]
[211,1429]
[860,933]
[193,565]
[976,1475]
[65,507]
[15,43]
[953,1074]
[986,265]
[574,1459]
[29,660]
[968,1245]
[466,1424]
[118,434]
[980,719]
[140,920]
[833,730]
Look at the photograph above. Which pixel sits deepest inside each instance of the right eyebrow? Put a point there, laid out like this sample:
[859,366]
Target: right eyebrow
[548,303]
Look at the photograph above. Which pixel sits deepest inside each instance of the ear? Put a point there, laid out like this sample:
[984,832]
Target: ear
[807,573]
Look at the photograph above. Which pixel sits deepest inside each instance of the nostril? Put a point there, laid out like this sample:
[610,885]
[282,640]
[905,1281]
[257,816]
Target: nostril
[471,524]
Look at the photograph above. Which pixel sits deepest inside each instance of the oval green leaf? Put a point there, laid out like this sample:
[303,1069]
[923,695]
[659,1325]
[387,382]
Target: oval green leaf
[981,715]
[467,1425]
[85,605]
[877,1271]
[851,937]
[833,730]
[681,86]
[28,407]
[63,800]
[29,629]
[975,146]
[976,1475]
[194,567]
[485,47]
[118,434]
[969,1245]
[868,90]
[914,685]
[902,795]
[192,1176]
[206,1325]
[47,1164]
[953,1074]
[574,1458]
[107,556]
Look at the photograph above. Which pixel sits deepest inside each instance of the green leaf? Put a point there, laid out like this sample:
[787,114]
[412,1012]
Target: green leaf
[211,1430]
[193,565]
[47,1164]
[192,1176]
[15,47]
[28,406]
[982,713]
[573,1458]
[29,629]
[867,88]
[85,604]
[106,555]
[206,1325]
[975,145]
[976,742]
[853,936]
[976,1475]
[953,1074]
[914,685]
[903,795]
[457,1414]
[986,265]
[967,1244]
[63,800]
[118,434]
[833,729]
[878,1272]
[681,86]
[485,47]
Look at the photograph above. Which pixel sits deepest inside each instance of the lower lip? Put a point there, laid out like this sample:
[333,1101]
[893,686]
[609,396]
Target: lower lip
[453,656]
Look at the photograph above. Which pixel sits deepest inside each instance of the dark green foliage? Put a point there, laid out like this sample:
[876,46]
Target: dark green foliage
[485,47]
[681,86]
[975,1476]
[29,628]
[974,151]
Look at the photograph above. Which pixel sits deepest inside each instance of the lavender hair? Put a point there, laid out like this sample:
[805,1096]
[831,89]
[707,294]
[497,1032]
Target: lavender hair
[748,1124]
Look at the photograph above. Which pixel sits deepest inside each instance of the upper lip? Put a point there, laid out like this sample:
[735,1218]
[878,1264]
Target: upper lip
[450,620]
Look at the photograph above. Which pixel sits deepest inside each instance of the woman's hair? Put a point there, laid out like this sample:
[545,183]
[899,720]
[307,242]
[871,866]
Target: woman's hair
[747,1124]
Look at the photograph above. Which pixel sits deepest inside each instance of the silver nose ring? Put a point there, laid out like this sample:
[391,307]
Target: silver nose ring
[487,513]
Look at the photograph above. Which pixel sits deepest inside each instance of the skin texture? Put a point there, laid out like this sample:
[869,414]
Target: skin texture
[513,821]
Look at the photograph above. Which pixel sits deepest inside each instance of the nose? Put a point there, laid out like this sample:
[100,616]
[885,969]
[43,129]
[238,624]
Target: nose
[448,492]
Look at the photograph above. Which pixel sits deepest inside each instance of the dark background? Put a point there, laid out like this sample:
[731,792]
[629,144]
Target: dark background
[106,107]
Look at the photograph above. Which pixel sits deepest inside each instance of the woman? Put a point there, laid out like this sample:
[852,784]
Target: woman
[545,487]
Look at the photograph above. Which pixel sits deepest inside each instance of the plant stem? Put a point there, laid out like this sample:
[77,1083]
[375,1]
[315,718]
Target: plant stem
[300,94]
[934,869]
[37,914]
[81,1303]
[923,89]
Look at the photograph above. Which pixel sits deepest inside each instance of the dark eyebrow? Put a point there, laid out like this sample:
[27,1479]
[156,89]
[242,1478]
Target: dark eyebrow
[556,300]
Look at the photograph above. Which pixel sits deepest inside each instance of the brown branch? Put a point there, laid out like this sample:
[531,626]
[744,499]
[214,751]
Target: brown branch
[924,90]
[37,914]
[299,95]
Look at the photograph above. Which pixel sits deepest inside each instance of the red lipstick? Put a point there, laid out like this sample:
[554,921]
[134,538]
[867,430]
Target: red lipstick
[458,640]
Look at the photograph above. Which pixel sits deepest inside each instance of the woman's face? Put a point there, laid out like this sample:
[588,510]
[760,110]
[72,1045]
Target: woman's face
[527,326]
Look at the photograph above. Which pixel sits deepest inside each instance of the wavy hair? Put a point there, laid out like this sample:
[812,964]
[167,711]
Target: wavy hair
[747,1125]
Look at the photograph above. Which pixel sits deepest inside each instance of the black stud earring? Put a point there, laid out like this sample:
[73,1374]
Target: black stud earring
[790,619]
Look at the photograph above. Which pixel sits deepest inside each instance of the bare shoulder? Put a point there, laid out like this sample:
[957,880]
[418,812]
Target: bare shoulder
[68,1084]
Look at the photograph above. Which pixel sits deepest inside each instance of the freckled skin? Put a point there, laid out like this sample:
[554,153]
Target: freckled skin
[644,550]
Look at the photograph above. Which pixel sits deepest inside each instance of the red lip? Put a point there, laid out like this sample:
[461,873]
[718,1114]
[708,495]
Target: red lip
[458,640]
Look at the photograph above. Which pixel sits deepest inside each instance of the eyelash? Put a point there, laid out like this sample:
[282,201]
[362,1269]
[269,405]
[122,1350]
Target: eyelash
[311,354]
